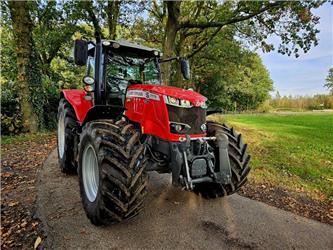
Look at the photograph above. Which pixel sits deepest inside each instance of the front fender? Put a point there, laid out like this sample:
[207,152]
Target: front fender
[80,105]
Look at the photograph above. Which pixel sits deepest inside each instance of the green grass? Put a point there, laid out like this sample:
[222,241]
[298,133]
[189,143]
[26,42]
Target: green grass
[292,151]
[5,140]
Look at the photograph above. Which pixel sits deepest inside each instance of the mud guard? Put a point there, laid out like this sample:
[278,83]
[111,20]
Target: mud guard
[80,105]
[85,111]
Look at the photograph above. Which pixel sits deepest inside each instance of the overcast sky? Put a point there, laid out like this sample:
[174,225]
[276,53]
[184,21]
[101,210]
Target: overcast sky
[305,75]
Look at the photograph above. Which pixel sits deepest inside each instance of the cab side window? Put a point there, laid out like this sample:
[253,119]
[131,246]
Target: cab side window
[91,67]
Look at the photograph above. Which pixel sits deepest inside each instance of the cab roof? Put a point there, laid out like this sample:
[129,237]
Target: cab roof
[126,47]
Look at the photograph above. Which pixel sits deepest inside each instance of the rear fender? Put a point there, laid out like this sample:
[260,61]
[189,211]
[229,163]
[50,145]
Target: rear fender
[80,105]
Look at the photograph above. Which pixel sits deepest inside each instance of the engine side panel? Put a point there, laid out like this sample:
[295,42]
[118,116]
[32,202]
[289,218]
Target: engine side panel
[147,111]
[80,105]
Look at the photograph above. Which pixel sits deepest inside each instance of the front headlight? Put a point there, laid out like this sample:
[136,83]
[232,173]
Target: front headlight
[177,102]
[203,105]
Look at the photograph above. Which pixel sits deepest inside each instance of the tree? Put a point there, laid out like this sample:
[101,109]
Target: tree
[89,8]
[292,21]
[329,80]
[113,9]
[171,29]
[54,25]
[111,14]
[230,74]
[28,73]
[277,95]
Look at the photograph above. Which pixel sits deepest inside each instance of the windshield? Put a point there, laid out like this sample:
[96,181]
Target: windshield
[123,71]
[144,70]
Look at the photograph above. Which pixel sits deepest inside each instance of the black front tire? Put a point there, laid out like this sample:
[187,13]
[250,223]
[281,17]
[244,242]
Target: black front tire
[239,162]
[67,123]
[122,178]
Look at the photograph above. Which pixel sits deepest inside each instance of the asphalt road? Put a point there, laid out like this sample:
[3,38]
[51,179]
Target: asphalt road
[172,219]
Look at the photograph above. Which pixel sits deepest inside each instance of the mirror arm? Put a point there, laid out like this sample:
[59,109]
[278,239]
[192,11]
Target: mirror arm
[169,59]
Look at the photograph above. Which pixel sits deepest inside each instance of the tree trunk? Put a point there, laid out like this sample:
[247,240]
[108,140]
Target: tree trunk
[113,15]
[22,27]
[179,76]
[89,8]
[171,30]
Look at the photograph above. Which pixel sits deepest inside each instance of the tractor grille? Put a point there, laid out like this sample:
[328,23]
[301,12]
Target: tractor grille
[194,117]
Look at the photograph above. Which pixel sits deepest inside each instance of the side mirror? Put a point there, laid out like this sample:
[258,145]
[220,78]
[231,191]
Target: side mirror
[80,52]
[185,68]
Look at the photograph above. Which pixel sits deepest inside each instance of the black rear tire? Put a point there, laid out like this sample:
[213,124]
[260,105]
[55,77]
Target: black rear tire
[66,117]
[122,176]
[239,161]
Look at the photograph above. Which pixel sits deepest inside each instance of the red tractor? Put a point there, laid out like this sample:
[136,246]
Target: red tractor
[125,123]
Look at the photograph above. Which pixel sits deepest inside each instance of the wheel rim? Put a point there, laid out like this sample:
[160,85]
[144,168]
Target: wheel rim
[61,135]
[90,173]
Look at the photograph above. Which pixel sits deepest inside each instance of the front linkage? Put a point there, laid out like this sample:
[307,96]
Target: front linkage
[189,168]
[215,165]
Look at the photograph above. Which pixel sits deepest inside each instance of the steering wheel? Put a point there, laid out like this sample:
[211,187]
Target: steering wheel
[118,79]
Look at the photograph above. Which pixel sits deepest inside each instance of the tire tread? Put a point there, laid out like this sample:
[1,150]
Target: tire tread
[123,184]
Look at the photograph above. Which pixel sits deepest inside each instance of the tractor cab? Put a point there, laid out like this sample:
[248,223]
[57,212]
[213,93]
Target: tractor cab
[127,67]
[123,64]
[113,66]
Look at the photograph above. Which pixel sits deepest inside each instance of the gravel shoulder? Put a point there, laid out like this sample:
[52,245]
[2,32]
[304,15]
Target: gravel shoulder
[172,219]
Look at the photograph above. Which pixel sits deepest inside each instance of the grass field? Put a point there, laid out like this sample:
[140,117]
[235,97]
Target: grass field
[293,151]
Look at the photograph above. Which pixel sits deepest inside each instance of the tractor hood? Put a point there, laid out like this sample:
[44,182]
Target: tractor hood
[194,97]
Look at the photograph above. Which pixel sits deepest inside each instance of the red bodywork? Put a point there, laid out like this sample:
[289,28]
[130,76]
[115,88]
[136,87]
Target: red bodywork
[151,112]
[146,107]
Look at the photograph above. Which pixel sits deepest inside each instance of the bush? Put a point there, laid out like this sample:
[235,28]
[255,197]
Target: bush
[11,116]
[265,107]
[316,102]
[51,105]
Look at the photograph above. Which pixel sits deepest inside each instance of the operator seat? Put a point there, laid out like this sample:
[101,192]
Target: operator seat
[116,90]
